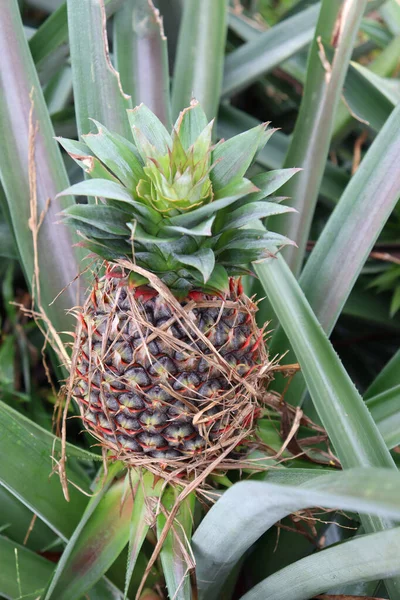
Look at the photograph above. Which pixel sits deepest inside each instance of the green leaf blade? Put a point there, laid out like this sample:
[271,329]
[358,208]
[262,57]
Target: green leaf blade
[367,558]
[97,541]
[97,87]
[28,468]
[200,56]
[139,40]
[266,51]
[248,509]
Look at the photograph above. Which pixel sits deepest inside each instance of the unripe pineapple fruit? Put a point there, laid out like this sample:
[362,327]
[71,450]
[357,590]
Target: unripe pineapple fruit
[169,366]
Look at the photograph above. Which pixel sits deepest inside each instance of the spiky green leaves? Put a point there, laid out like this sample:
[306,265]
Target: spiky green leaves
[179,203]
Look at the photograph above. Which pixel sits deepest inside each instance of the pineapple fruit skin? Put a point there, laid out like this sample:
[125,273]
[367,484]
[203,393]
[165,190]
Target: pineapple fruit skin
[151,387]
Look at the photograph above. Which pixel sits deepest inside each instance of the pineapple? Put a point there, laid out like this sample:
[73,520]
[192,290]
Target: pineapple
[169,363]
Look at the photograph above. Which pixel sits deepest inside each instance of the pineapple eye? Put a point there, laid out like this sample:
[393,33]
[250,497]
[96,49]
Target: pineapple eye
[126,422]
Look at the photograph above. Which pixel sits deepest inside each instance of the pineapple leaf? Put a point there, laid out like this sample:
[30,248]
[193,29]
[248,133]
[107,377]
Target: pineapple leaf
[117,156]
[363,558]
[236,188]
[261,504]
[218,279]
[232,158]
[244,255]
[201,230]
[190,124]
[239,238]
[104,528]
[147,488]
[181,195]
[195,216]
[255,210]
[81,154]
[154,261]
[203,260]
[141,235]
[173,552]
[182,244]
[395,302]
[143,120]
[88,230]
[111,250]
[271,181]
[105,218]
[101,188]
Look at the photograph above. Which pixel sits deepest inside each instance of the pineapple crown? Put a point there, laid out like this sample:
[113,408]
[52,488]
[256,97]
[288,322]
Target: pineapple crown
[175,203]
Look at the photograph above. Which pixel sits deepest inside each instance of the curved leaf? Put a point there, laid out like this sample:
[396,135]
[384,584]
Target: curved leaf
[255,210]
[116,153]
[248,509]
[203,260]
[349,424]
[101,188]
[366,558]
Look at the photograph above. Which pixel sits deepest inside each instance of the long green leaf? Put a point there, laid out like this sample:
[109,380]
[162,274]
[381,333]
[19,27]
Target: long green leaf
[248,509]
[390,11]
[367,558]
[354,226]
[370,97]
[100,536]
[141,54]
[140,520]
[200,56]
[172,555]
[362,95]
[349,235]
[49,45]
[341,409]
[310,141]
[15,521]
[385,410]
[20,91]
[339,405]
[268,50]
[27,470]
[23,573]
[387,378]
[97,87]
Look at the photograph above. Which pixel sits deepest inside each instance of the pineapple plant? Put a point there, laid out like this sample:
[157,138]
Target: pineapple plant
[169,367]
